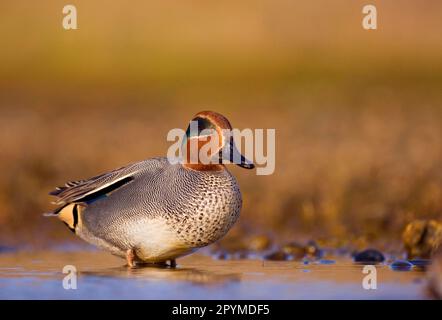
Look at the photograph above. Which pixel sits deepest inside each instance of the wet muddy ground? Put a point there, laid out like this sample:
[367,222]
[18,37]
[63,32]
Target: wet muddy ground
[30,274]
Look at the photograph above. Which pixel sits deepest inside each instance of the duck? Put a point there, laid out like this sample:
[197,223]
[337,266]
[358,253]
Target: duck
[160,209]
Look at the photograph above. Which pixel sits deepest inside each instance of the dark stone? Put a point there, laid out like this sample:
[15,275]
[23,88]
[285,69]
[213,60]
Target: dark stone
[369,256]
[313,250]
[294,249]
[278,256]
[298,251]
[222,255]
[420,262]
[240,255]
[401,265]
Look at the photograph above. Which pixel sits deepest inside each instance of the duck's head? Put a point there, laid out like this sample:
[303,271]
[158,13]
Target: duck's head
[208,143]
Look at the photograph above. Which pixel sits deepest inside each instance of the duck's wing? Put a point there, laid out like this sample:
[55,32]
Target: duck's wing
[95,187]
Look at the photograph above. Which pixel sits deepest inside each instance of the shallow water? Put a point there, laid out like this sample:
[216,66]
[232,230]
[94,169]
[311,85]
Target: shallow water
[38,275]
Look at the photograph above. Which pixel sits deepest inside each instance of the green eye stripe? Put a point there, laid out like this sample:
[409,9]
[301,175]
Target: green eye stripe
[203,124]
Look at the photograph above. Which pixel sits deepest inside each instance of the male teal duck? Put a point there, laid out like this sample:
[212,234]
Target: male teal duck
[154,211]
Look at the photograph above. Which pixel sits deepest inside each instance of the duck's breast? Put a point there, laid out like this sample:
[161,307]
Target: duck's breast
[205,207]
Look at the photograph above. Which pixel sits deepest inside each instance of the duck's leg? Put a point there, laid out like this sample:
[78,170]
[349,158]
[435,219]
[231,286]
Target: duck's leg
[173,263]
[130,258]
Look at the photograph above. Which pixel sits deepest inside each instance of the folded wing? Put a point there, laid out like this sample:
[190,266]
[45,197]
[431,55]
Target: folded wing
[95,187]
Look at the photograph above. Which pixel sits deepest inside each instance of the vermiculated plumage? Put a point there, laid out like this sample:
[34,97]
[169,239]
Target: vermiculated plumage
[195,208]
[157,210]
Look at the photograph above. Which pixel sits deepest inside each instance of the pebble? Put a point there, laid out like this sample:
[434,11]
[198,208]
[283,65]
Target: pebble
[294,249]
[369,256]
[420,263]
[313,250]
[298,251]
[401,265]
[240,255]
[278,256]
[222,255]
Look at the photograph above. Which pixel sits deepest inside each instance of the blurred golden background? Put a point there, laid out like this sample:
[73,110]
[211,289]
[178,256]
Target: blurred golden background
[357,113]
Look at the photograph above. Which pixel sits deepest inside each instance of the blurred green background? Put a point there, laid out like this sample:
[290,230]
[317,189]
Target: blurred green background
[358,113]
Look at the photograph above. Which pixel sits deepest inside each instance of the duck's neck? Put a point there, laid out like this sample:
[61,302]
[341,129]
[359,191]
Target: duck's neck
[193,160]
[203,167]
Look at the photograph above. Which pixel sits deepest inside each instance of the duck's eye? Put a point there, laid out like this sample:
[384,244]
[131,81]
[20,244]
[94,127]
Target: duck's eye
[197,125]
